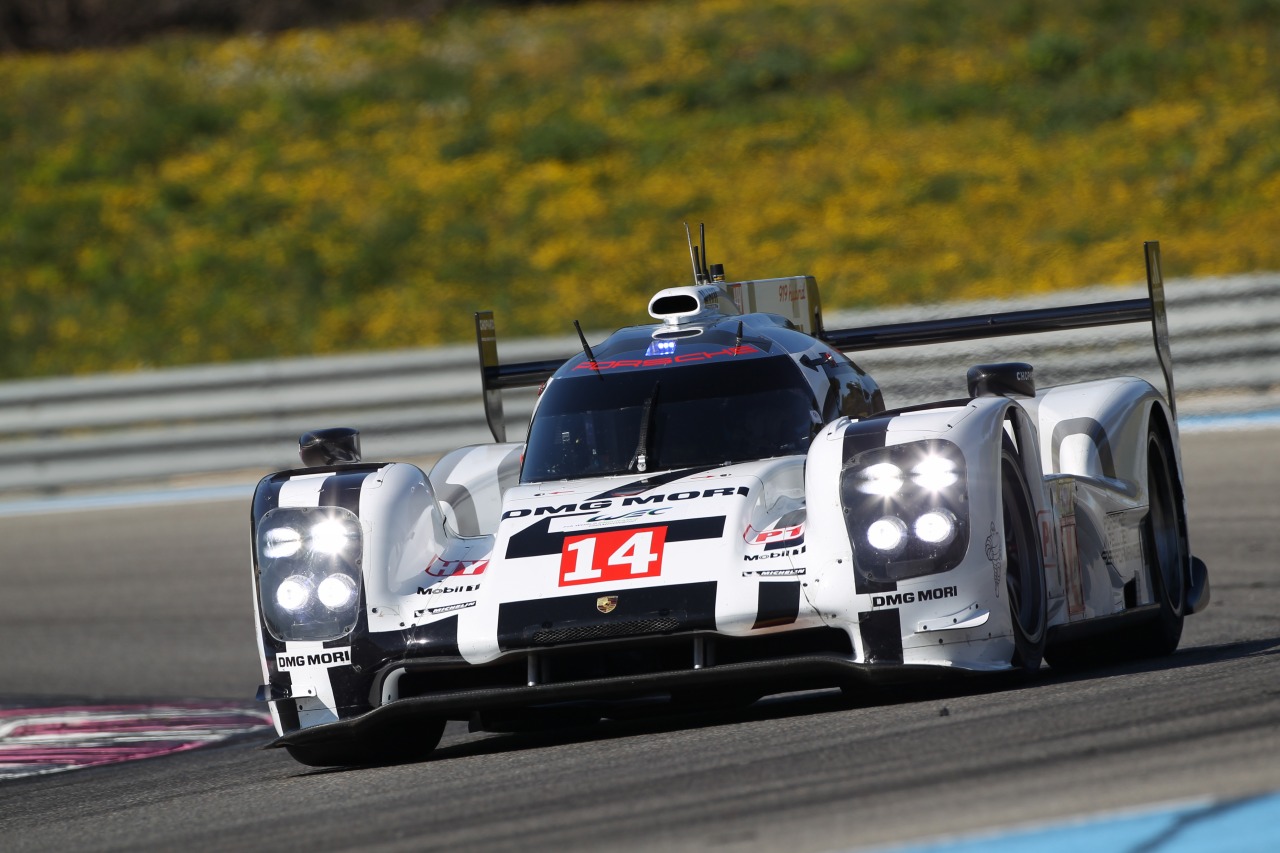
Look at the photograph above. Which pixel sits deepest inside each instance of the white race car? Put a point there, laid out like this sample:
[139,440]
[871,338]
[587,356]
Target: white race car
[713,508]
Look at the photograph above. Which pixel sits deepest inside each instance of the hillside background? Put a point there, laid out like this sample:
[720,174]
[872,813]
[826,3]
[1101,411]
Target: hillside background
[284,183]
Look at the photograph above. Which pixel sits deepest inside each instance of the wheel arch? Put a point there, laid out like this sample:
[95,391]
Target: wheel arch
[1162,423]
[1098,430]
[1161,420]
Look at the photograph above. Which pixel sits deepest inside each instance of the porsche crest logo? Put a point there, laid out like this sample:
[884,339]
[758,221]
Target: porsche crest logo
[606,603]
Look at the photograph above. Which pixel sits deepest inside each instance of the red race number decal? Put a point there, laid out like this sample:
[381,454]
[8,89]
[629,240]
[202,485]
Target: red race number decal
[612,556]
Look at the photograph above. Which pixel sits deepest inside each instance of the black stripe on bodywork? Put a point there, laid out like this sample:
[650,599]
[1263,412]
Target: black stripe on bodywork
[351,684]
[343,489]
[388,649]
[677,607]
[1084,426]
[537,540]
[382,651]
[860,437]
[288,711]
[881,632]
[778,604]
[435,639]
[637,487]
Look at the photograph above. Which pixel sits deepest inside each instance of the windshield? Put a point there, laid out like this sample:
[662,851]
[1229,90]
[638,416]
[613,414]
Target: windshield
[703,414]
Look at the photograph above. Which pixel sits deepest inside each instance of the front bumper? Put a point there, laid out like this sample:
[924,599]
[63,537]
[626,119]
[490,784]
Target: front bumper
[783,675]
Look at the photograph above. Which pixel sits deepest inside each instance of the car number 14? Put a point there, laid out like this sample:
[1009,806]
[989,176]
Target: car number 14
[611,556]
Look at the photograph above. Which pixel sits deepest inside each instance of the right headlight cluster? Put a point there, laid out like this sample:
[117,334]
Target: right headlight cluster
[309,562]
[906,509]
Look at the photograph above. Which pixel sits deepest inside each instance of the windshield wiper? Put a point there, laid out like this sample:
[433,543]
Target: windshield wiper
[639,458]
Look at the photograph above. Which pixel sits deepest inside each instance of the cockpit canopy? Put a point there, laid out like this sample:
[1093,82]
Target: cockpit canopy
[734,407]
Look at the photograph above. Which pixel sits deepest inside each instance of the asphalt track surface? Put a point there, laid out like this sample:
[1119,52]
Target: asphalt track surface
[128,604]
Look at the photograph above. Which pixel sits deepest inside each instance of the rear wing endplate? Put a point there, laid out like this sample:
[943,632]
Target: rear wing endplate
[495,377]
[1151,308]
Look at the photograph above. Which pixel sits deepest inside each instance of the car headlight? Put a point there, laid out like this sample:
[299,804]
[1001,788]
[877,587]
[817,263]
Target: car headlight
[309,572]
[887,534]
[332,536]
[935,473]
[883,479]
[281,542]
[906,509]
[293,593]
[336,591]
[937,527]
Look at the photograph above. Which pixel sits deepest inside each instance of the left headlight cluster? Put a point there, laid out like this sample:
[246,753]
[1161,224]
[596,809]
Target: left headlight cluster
[906,508]
[309,563]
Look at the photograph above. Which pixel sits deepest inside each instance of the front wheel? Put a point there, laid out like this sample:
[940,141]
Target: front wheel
[1024,566]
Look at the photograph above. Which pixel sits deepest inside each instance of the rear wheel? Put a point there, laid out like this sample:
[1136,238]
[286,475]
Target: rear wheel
[1024,567]
[393,744]
[1166,548]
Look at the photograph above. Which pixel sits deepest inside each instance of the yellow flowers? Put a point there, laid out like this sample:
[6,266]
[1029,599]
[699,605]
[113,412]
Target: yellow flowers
[370,186]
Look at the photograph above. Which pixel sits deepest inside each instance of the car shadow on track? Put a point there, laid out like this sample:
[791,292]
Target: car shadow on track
[1184,658]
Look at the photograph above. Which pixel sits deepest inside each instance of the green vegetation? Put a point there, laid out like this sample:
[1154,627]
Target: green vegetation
[194,200]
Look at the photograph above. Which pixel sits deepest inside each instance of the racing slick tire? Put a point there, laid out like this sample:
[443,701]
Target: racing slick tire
[1024,566]
[1164,541]
[398,744]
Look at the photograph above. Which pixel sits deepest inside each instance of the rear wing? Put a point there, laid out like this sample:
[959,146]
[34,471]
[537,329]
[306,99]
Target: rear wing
[1151,308]
[495,377]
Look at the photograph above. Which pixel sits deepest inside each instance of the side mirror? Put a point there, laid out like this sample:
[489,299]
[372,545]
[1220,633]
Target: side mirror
[1010,379]
[333,446]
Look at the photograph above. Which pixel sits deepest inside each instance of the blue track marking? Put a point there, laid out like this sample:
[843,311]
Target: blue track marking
[1214,423]
[1231,826]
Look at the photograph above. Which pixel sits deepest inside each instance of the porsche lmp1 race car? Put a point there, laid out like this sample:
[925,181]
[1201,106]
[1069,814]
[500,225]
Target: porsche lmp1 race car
[713,508]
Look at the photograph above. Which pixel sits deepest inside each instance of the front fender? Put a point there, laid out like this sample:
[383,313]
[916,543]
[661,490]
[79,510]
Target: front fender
[402,534]
[929,616]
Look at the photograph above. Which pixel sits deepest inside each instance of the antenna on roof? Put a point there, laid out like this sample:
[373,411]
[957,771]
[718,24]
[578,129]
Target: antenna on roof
[702,242]
[586,347]
[693,256]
